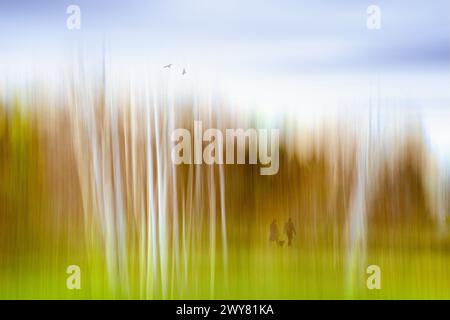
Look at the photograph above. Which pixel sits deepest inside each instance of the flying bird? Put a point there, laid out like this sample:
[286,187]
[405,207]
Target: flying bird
[168,66]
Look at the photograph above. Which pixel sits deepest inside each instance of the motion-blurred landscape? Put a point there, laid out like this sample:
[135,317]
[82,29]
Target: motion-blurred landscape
[86,176]
[91,183]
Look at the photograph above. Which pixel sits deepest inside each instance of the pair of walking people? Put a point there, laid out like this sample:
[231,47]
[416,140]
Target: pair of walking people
[289,230]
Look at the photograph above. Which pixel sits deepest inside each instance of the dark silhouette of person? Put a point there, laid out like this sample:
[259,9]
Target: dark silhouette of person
[273,232]
[289,229]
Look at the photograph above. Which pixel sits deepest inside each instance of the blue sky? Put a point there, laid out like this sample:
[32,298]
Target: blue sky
[281,36]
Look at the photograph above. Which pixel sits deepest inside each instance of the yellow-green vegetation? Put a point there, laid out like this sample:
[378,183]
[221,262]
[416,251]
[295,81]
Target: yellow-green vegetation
[47,224]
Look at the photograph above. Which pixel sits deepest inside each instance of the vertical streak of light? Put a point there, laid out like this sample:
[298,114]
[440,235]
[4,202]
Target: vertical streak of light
[357,214]
[118,203]
[175,280]
[212,214]
[152,252]
[188,237]
[161,179]
[223,223]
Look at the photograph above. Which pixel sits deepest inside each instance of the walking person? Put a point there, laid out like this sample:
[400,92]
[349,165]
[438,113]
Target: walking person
[273,232]
[289,229]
